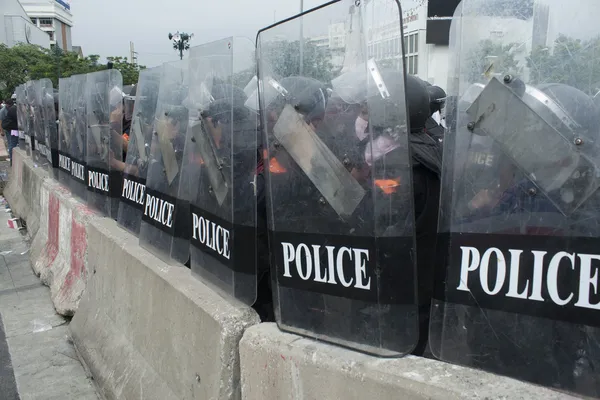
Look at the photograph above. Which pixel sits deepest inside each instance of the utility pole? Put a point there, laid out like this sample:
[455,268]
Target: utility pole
[301,37]
[181,42]
[132,54]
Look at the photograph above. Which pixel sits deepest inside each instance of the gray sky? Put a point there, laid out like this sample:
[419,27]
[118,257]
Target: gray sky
[106,27]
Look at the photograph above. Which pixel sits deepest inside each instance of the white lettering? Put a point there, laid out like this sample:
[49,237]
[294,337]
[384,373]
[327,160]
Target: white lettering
[361,256]
[538,275]
[553,277]
[467,265]
[308,261]
[318,273]
[586,279]
[500,271]
[513,286]
[288,257]
[340,266]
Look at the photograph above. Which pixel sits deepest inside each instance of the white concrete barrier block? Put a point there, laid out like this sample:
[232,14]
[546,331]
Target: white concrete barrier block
[281,366]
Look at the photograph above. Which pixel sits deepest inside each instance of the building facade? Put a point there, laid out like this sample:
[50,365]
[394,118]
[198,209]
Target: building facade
[16,27]
[426,37]
[53,17]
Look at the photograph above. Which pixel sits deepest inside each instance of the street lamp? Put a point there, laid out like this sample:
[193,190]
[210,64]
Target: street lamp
[181,42]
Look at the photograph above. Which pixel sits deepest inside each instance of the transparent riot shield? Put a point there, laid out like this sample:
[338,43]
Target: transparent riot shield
[340,213]
[41,154]
[21,111]
[133,186]
[165,228]
[30,121]
[219,167]
[66,126]
[38,138]
[104,157]
[516,286]
[50,142]
[78,148]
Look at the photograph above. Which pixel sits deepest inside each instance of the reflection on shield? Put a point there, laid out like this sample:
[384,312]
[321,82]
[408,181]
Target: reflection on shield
[104,151]
[138,151]
[219,167]
[164,229]
[341,227]
[519,222]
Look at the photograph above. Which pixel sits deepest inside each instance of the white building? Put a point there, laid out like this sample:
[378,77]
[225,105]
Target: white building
[53,17]
[427,53]
[16,27]
[427,61]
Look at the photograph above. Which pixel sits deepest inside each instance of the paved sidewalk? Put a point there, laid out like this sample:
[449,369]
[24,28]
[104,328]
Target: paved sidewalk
[36,355]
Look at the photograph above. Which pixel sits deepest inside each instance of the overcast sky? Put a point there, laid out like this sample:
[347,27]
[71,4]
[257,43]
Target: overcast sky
[106,27]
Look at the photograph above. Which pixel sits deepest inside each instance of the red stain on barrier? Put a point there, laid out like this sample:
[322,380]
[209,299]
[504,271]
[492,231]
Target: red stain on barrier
[53,224]
[78,249]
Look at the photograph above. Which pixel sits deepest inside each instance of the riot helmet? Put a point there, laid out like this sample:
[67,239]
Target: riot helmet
[437,98]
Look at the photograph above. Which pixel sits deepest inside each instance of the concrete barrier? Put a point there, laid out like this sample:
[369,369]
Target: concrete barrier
[280,366]
[22,191]
[149,330]
[59,249]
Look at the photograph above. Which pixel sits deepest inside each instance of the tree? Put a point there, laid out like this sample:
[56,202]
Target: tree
[492,58]
[570,61]
[25,62]
[130,72]
[283,58]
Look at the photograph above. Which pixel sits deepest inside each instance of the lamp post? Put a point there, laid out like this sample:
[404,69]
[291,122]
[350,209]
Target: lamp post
[181,42]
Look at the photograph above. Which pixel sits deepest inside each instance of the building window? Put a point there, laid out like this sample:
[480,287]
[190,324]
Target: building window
[51,34]
[405,43]
[34,21]
[416,39]
[46,22]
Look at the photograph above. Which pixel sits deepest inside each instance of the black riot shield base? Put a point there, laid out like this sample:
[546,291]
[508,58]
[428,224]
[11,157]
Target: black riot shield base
[358,322]
[171,245]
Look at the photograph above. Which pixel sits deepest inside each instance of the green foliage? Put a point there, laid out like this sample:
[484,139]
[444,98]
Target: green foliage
[284,60]
[130,72]
[492,58]
[28,62]
[571,61]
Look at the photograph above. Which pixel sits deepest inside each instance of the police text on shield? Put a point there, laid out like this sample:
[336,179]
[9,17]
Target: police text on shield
[343,265]
[159,210]
[78,170]
[212,235]
[133,191]
[98,180]
[511,279]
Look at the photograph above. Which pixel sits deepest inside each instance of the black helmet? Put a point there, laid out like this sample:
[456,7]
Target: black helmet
[437,97]
[389,112]
[308,96]
[227,97]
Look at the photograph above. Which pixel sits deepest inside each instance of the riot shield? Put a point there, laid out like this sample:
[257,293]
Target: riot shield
[78,147]
[30,122]
[38,138]
[219,167]
[519,222]
[165,230]
[50,142]
[41,153]
[104,156]
[21,111]
[340,215]
[138,151]
[66,125]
